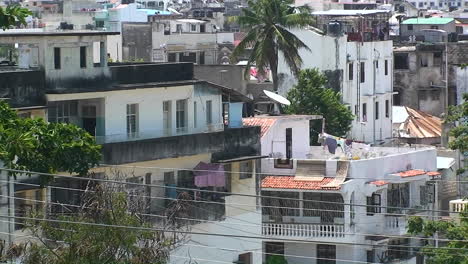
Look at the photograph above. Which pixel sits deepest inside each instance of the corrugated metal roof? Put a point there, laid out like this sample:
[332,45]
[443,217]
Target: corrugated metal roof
[291,182]
[428,21]
[417,124]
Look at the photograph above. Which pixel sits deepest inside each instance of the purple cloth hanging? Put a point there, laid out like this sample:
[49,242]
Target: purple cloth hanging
[209,175]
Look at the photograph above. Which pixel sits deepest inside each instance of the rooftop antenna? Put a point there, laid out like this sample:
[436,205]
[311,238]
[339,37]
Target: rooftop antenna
[278,101]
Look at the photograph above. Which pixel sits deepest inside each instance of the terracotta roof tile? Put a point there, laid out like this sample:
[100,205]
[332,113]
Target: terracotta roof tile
[289,182]
[411,173]
[379,183]
[433,173]
[264,123]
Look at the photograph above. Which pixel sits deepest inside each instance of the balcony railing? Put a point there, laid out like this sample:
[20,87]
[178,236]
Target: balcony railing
[303,230]
[150,134]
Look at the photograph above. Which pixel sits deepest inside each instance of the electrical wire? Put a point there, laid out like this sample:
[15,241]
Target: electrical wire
[216,192]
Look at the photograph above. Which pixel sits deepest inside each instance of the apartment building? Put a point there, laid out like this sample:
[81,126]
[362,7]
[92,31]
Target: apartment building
[358,63]
[144,115]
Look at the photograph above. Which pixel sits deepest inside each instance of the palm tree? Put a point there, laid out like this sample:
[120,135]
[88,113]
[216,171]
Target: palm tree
[269,23]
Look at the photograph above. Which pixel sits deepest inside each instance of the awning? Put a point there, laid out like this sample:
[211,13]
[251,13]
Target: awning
[445,163]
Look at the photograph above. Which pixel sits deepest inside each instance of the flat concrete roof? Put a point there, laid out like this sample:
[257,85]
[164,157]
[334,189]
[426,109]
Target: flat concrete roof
[8,33]
[339,12]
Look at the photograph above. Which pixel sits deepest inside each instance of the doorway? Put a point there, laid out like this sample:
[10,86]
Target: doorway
[89,119]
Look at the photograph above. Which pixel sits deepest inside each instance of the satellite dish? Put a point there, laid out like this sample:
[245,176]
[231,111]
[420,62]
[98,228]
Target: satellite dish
[277,98]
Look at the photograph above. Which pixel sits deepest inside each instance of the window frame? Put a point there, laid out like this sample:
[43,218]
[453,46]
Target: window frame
[132,115]
[83,59]
[209,112]
[57,58]
[362,72]
[181,115]
[245,169]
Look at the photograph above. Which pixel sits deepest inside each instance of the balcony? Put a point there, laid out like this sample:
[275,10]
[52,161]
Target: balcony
[153,134]
[303,231]
[395,224]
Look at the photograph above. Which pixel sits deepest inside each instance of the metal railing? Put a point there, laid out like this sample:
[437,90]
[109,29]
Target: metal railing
[303,230]
[150,134]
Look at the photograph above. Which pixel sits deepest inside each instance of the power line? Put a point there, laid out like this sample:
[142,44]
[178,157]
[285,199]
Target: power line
[257,173]
[217,192]
[231,204]
[344,233]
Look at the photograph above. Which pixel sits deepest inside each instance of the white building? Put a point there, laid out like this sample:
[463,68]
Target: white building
[172,40]
[359,64]
[438,4]
[348,210]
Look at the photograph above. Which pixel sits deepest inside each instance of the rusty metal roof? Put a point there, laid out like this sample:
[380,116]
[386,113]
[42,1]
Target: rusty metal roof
[419,124]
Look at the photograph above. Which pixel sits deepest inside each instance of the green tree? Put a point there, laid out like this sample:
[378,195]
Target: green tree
[35,145]
[309,96]
[268,23]
[459,133]
[107,208]
[455,251]
[12,15]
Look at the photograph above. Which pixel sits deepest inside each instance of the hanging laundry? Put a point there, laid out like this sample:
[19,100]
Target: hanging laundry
[331,144]
[209,175]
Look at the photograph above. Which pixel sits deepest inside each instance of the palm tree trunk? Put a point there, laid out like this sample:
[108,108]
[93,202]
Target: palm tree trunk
[274,69]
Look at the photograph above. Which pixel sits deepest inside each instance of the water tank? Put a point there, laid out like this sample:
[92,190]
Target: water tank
[334,28]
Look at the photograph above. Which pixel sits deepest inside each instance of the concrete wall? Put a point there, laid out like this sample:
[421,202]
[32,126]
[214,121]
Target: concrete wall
[231,76]
[450,27]
[146,73]
[24,88]
[462,83]
[137,41]
[224,145]
[344,253]
[377,86]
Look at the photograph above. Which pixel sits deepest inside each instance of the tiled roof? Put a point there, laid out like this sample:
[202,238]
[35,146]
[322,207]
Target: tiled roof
[433,173]
[411,173]
[264,123]
[289,182]
[379,183]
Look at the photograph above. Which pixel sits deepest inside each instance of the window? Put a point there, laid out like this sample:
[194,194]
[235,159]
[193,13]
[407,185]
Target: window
[83,57]
[386,67]
[373,204]
[326,254]
[288,143]
[350,71]
[410,27]
[434,27]
[283,164]
[179,28]
[437,59]
[193,28]
[209,112]
[362,72]
[63,112]
[171,57]
[57,59]
[401,61]
[364,112]
[245,169]
[387,108]
[420,4]
[167,116]
[376,110]
[370,256]
[132,119]
[202,58]
[376,64]
[424,60]
[195,114]
[188,57]
[181,115]
[169,177]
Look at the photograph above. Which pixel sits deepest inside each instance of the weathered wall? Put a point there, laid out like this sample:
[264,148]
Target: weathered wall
[224,145]
[24,88]
[231,76]
[143,73]
[136,41]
